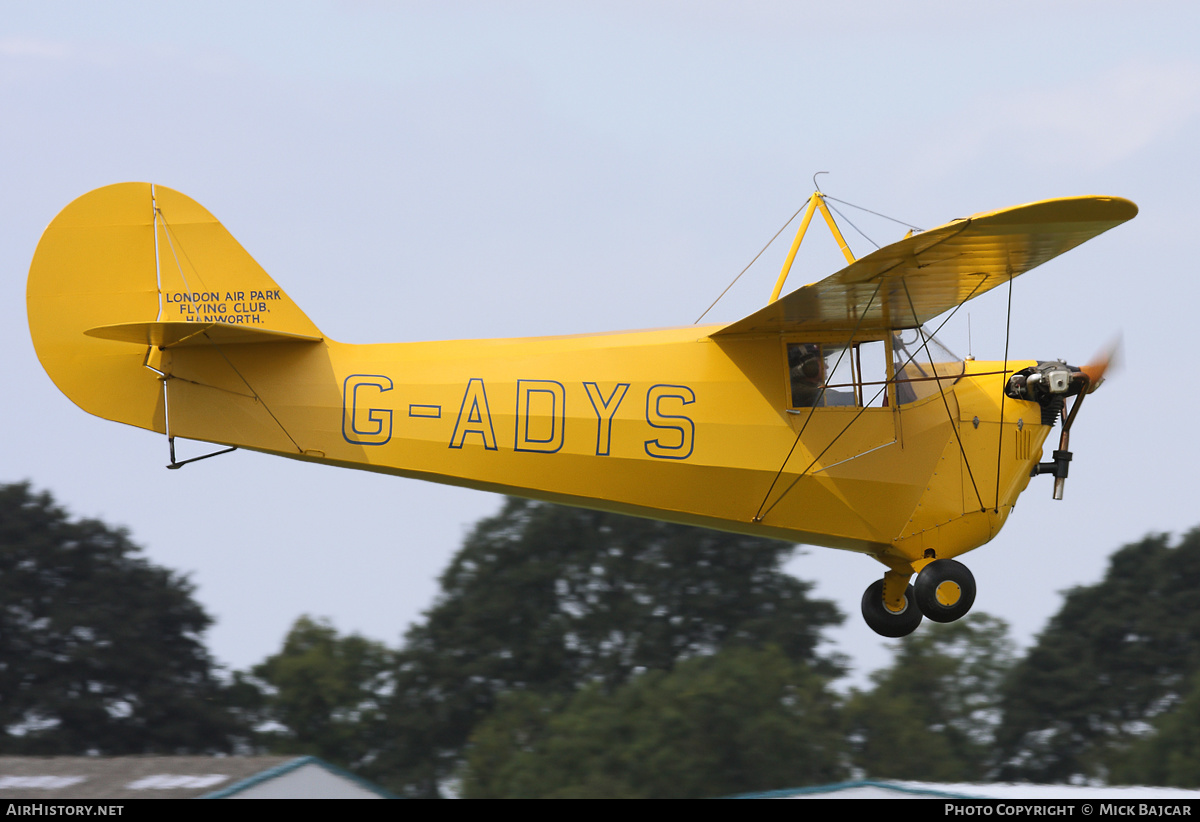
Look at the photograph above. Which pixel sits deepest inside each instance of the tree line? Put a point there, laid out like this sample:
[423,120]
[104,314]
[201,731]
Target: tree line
[575,653]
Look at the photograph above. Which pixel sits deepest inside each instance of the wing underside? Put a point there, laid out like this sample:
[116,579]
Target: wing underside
[914,280]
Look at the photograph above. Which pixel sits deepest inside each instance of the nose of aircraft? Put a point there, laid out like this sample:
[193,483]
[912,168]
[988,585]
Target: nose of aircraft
[1050,384]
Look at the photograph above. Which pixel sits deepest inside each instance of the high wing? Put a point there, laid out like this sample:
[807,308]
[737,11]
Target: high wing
[914,280]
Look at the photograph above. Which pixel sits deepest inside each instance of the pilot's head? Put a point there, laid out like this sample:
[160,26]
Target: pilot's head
[805,360]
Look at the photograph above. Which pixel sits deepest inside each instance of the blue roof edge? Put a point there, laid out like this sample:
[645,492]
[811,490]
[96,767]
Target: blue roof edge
[287,767]
[841,786]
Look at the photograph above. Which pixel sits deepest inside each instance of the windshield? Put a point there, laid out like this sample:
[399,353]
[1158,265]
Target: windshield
[921,363]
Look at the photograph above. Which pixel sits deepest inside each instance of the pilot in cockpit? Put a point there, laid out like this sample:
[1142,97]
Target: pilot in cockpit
[805,366]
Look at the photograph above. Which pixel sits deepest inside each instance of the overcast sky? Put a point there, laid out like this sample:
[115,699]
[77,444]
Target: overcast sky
[416,171]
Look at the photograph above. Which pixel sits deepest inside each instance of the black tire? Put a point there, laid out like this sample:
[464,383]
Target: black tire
[945,590]
[888,623]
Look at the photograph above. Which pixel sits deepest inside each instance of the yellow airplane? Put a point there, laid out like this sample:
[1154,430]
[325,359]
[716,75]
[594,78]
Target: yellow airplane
[829,417]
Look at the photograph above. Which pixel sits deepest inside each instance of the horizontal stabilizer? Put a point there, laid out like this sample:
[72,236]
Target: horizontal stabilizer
[183,334]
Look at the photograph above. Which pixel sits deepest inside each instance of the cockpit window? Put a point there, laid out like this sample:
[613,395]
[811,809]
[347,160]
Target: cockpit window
[822,375]
[826,376]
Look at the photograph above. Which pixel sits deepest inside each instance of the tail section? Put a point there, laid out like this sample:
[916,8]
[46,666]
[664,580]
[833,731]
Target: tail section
[127,280]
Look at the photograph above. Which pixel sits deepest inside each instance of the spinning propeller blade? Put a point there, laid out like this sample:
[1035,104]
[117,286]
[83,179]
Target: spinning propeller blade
[1095,370]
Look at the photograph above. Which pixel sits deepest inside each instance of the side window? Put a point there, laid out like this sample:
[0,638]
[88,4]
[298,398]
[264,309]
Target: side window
[826,376]
[871,361]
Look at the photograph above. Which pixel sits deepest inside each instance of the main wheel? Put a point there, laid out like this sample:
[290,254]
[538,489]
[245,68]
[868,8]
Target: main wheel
[883,620]
[945,590]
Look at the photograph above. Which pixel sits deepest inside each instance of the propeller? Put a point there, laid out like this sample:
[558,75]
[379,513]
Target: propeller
[1110,357]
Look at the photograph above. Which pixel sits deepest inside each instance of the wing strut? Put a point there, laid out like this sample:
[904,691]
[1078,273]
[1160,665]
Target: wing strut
[816,201]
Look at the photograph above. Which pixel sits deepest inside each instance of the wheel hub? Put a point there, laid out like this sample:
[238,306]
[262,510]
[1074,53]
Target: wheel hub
[948,593]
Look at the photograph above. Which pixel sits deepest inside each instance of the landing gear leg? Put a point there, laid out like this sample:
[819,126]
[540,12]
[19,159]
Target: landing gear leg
[945,590]
[889,607]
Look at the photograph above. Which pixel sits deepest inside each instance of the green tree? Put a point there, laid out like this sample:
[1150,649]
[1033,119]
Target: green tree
[100,651]
[551,599]
[932,714]
[1116,656]
[741,720]
[324,695]
[1170,755]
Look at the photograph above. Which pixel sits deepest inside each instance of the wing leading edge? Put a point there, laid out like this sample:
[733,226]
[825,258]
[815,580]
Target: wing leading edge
[914,280]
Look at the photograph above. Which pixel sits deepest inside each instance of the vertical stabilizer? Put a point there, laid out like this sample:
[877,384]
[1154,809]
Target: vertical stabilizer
[137,258]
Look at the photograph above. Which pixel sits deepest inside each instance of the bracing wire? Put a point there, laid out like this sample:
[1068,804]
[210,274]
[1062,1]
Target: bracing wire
[876,213]
[168,231]
[752,262]
[933,367]
[1003,394]
[852,225]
